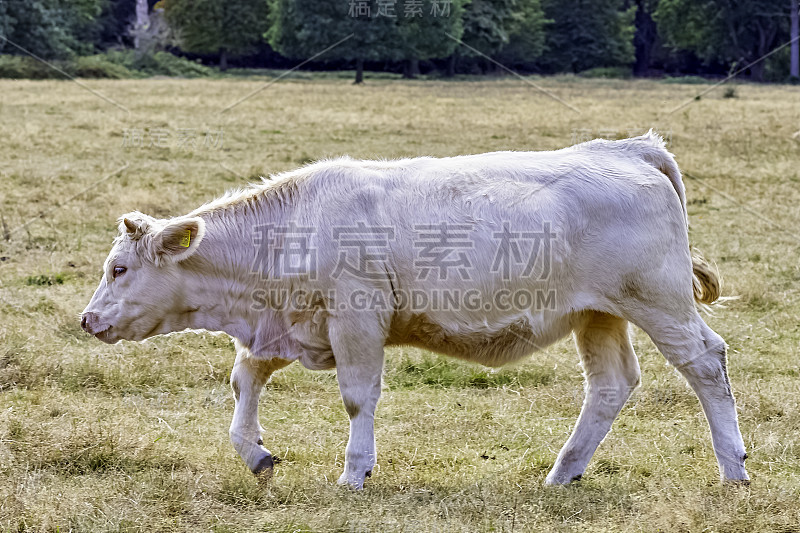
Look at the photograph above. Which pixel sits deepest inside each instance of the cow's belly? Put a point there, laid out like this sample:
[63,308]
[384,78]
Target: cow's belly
[482,344]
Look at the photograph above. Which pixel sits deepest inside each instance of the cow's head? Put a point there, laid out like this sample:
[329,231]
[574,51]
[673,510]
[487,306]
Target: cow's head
[141,293]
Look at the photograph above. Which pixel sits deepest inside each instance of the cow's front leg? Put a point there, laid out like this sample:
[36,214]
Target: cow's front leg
[247,379]
[359,364]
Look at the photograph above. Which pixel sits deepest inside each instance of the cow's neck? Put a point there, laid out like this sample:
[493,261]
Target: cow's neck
[221,284]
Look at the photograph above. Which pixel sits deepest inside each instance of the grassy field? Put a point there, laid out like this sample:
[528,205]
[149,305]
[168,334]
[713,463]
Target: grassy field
[134,436]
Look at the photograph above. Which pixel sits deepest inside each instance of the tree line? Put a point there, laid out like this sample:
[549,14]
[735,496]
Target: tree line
[641,37]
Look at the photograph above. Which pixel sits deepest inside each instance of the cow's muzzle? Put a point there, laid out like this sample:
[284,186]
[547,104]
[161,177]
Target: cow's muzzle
[90,322]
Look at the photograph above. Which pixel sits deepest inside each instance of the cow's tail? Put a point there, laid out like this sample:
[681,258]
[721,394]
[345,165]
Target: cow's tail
[706,283]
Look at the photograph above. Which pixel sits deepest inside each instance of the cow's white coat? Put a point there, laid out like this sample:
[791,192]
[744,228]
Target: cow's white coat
[620,254]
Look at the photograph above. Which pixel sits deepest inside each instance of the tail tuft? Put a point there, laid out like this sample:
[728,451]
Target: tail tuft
[705,280]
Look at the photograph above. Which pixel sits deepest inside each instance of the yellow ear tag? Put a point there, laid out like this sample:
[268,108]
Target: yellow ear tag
[187,238]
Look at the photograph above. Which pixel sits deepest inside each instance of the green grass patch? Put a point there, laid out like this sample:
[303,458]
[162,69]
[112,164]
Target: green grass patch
[46,280]
[114,64]
[621,73]
[427,369]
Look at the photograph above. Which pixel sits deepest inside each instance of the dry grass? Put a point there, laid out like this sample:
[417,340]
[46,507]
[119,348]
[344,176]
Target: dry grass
[134,437]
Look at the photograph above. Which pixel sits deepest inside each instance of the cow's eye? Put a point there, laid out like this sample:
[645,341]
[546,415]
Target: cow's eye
[118,271]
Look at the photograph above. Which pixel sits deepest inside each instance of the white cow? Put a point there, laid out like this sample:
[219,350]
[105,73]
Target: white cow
[483,257]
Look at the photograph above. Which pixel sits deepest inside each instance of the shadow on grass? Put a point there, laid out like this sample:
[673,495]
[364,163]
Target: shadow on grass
[436,371]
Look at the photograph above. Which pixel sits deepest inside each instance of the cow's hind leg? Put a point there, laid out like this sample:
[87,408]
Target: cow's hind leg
[700,355]
[247,379]
[612,372]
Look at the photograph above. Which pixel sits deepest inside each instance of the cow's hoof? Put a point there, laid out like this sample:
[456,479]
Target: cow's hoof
[560,481]
[736,482]
[355,482]
[264,468]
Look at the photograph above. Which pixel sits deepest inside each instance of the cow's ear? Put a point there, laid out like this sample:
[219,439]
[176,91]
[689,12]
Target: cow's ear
[180,238]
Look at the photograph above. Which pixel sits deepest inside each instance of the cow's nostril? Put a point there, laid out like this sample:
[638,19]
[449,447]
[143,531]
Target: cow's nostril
[84,322]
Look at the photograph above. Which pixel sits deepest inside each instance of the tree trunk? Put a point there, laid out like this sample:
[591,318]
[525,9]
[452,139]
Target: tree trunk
[451,66]
[223,59]
[643,39]
[359,71]
[757,68]
[794,66]
[142,22]
[757,71]
[411,68]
